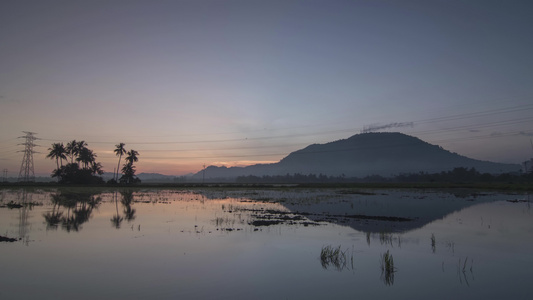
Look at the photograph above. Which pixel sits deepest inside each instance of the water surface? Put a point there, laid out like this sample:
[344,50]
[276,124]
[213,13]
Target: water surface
[263,244]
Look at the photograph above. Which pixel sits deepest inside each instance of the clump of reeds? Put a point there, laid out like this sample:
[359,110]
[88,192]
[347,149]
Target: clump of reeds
[387,268]
[330,256]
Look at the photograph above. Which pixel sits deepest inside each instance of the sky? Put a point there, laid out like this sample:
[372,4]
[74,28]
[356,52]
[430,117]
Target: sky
[211,82]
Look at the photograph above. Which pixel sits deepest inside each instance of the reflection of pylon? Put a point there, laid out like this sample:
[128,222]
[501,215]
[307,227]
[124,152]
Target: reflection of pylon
[26,173]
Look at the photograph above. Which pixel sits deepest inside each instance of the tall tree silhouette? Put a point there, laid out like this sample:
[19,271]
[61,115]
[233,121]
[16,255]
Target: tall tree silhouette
[119,151]
[129,169]
[132,156]
[57,152]
[72,150]
[81,149]
[86,157]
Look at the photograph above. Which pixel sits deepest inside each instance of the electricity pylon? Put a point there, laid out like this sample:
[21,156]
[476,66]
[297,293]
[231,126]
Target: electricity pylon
[26,173]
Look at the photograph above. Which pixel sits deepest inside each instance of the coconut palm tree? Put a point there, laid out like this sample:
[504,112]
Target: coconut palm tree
[132,157]
[86,156]
[96,168]
[129,169]
[119,151]
[129,173]
[57,152]
[82,167]
[81,146]
[71,150]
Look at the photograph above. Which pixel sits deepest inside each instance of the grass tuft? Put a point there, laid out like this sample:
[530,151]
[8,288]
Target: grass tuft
[330,256]
[387,268]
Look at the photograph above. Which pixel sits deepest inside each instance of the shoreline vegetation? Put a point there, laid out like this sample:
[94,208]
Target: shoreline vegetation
[458,178]
[83,167]
[519,187]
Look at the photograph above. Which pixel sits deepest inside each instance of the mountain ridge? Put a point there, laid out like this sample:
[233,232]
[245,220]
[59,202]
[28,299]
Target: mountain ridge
[378,153]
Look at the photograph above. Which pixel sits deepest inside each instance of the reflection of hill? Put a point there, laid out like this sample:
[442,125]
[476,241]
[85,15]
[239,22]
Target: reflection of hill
[391,212]
[367,211]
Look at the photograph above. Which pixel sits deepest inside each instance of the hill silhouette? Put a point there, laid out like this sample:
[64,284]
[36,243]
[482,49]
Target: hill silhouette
[385,154]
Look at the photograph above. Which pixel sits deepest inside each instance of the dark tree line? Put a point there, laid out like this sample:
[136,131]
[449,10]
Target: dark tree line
[457,175]
[465,175]
[290,178]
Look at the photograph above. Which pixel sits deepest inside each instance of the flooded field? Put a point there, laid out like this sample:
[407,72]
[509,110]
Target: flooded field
[264,244]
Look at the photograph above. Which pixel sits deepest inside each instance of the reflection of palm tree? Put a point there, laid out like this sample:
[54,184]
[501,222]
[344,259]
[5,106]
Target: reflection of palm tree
[82,213]
[127,200]
[53,218]
[129,213]
[70,223]
[79,208]
[84,207]
[69,201]
[119,151]
[116,220]
[127,197]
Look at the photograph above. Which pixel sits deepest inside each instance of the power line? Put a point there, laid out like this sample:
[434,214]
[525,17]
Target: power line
[486,113]
[242,141]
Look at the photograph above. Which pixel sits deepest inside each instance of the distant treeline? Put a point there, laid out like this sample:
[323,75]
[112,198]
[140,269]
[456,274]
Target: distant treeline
[457,175]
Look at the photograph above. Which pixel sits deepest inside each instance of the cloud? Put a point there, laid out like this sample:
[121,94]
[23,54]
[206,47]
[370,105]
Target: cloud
[525,133]
[496,133]
[376,127]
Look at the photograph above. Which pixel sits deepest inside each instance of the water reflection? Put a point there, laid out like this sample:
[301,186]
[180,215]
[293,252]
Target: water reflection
[25,207]
[387,268]
[336,258]
[465,270]
[196,242]
[126,201]
[71,210]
